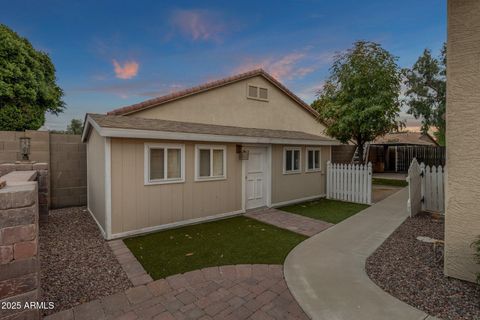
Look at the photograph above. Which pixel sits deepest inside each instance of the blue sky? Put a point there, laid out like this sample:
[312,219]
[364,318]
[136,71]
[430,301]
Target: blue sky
[110,54]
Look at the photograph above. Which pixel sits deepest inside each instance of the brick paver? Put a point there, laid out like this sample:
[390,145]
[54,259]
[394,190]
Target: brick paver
[134,270]
[227,292]
[293,222]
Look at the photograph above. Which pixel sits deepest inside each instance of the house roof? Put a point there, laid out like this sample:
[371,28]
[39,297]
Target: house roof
[208,86]
[413,138]
[136,127]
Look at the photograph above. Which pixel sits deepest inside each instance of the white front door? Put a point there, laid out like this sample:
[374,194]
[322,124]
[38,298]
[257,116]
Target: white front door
[256,178]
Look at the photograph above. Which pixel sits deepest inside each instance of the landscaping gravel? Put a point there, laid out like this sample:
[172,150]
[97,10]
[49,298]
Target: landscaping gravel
[77,265]
[405,267]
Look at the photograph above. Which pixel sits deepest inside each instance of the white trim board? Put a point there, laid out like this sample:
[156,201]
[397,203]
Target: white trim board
[172,225]
[168,135]
[108,187]
[294,201]
[98,224]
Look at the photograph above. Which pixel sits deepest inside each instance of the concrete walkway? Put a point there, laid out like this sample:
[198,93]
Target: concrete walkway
[290,221]
[326,273]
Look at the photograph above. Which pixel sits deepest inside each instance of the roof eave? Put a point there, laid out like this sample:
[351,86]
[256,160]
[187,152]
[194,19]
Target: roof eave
[185,136]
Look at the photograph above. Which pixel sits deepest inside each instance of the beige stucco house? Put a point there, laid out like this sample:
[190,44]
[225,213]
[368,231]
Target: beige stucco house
[204,153]
[462,215]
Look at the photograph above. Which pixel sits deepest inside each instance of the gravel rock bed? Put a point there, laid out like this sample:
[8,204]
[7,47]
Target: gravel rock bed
[77,265]
[405,267]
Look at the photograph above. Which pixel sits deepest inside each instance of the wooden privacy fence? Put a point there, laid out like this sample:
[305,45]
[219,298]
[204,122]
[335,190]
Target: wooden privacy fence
[349,182]
[426,188]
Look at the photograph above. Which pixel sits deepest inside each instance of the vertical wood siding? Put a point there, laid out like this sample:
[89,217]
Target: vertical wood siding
[136,206]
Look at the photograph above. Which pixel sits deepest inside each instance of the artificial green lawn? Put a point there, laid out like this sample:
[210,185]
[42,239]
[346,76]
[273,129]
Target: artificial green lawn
[238,240]
[332,211]
[389,182]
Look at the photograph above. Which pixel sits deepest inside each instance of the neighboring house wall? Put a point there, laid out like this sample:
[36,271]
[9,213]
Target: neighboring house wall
[137,206]
[229,105]
[96,177]
[295,186]
[462,218]
[65,155]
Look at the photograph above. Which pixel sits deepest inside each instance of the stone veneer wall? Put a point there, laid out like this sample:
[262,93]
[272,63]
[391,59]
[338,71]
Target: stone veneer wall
[19,263]
[43,182]
[65,155]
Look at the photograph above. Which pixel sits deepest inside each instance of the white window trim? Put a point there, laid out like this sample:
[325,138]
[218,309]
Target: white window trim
[319,159]
[258,92]
[285,149]
[166,146]
[210,147]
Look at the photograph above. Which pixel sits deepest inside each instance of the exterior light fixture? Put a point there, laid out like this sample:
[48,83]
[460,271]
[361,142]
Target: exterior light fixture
[25,148]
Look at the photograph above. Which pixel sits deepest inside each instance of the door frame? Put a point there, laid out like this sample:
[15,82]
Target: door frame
[268,175]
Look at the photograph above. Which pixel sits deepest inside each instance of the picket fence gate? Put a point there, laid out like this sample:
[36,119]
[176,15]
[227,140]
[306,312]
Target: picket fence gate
[349,182]
[426,187]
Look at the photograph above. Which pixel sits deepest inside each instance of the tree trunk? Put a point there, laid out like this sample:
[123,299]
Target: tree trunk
[360,146]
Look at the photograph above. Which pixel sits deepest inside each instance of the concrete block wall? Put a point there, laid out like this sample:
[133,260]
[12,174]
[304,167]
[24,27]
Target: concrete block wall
[19,263]
[68,166]
[10,146]
[65,155]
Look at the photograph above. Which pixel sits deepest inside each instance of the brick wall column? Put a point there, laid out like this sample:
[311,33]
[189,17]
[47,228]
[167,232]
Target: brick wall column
[19,265]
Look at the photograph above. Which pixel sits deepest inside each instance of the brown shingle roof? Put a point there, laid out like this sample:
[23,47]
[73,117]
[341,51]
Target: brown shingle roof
[137,123]
[415,138]
[211,85]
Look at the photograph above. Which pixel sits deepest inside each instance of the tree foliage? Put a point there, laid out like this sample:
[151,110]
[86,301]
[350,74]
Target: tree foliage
[426,92]
[28,86]
[360,99]
[75,127]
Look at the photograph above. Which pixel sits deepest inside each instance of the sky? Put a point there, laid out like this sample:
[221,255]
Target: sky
[110,54]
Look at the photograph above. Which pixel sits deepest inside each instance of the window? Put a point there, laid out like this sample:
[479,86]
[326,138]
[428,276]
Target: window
[257,93]
[291,160]
[164,163]
[210,162]
[313,159]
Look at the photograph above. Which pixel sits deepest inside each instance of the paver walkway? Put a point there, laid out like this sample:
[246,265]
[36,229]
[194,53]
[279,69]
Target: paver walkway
[134,270]
[290,221]
[326,273]
[227,292]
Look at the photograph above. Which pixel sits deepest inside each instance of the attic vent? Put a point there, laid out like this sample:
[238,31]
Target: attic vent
[257,93]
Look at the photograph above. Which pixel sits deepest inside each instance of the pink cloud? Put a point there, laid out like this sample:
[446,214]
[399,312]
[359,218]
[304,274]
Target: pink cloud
[198,24]
[127,71]
[290,66]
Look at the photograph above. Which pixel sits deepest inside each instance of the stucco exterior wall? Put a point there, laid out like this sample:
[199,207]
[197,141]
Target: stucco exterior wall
[96,176]
[136,206]
[462,217]
[288,187]
[229,105]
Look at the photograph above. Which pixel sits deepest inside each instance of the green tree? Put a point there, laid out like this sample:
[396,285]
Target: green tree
[360,99]
[75,127]
[28,86]
[426,92]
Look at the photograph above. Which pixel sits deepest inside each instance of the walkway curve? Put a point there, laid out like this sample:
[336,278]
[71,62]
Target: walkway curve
[255,291]
[326,273]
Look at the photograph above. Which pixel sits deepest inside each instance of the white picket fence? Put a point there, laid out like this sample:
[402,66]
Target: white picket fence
[349,182]
[426,188]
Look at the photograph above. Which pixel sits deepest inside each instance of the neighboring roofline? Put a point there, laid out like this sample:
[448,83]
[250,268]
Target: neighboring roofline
[185,136]
[209,86]
[409,142]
